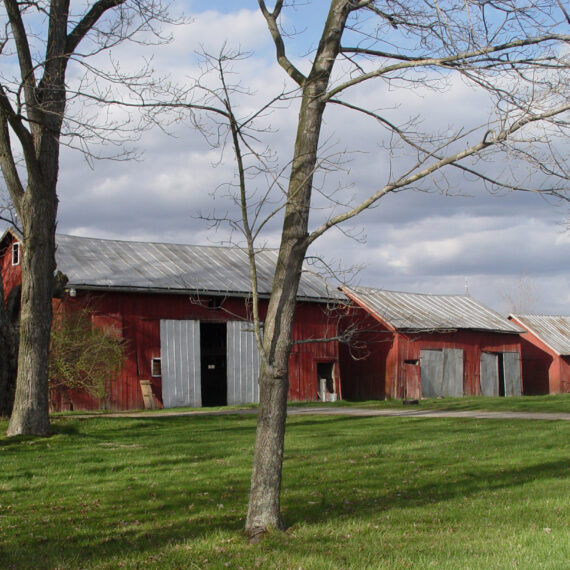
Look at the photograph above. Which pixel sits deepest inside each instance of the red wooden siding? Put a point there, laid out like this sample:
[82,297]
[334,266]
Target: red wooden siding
[312,321]
[364,358]
[381,363]
[138,316]
[544,371]
[11,274]
[473,343]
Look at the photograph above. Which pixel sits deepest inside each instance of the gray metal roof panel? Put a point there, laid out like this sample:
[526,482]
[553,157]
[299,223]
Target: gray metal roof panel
[115,264]
[421,312]
[553,330]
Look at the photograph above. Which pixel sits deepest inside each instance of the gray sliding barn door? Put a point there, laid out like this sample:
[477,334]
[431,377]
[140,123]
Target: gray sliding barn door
[431,372]
[500,374]
[243,364]
[180,355]
[512,370]
[489,376]
[452,372]
[441,372]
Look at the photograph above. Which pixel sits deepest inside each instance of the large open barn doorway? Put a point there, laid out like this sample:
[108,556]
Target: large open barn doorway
[213,364]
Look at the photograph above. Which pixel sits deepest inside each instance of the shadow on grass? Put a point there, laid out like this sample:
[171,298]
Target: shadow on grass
[89,538]
[412,496]
[196,485]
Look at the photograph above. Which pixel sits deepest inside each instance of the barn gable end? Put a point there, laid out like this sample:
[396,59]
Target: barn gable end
[545,353]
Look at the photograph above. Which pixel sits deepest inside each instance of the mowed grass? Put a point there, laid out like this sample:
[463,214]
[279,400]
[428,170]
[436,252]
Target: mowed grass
[171,492]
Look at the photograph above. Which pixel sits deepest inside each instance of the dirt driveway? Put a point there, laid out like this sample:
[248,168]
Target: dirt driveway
[348,411]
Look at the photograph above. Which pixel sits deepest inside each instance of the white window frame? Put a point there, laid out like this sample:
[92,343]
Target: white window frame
[16,253]
[152,365]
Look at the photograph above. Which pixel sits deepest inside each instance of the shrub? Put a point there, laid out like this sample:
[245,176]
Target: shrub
[83,357]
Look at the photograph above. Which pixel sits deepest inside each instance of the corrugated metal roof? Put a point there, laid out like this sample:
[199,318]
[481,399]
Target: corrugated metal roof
[553,330]
[420,312]
[92,263]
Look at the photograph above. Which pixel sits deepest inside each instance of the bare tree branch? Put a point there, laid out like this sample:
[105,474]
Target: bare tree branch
[453,159]
[282,59]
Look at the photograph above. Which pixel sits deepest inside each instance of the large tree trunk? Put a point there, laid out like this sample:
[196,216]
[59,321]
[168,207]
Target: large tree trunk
[264,501]
[37,210]
[33,112]
[30,414]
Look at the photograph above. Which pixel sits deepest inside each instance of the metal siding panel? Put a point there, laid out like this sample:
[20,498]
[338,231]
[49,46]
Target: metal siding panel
[489,374]
[431,372]
[233,379]
[512,370]
[180,352]
[452,384]
[243,364]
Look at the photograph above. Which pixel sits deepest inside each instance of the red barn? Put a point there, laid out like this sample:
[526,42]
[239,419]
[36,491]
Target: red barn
[185,314]
[410,346]
[545,353]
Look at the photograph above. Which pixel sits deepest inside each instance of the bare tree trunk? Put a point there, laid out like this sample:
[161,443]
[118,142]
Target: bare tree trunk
[35,200]
[264,501]
[30,414]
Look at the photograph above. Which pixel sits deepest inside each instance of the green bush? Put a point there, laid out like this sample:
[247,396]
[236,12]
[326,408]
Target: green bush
[83,357]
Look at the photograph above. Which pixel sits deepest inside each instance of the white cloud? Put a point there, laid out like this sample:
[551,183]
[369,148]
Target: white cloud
[422,242]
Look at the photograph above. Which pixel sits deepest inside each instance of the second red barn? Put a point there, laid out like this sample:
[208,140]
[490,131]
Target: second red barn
[409,346]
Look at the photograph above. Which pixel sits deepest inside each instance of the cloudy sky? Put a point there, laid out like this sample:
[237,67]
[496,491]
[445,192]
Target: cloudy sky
[498,248]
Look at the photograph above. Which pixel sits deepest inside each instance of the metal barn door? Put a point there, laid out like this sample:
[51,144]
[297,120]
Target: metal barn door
[243,364]
[500,374]
[180,354]
[441,372]
[489,377]
[512,372]
[431,372]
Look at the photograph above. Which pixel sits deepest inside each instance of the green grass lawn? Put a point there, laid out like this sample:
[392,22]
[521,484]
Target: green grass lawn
[171,492]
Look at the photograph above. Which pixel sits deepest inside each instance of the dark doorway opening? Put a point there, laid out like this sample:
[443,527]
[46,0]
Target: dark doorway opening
[213,364]
[325,371]
[501,367]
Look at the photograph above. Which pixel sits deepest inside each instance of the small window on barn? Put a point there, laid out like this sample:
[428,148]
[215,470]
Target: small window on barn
[215,302]
[16,253]
[156,367]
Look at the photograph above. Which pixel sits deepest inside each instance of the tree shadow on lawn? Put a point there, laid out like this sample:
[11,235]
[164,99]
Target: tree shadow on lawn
[378,499]
[96,539]
[132,518]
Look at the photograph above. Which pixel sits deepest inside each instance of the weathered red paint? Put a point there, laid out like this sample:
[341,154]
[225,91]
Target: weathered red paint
[544,371]
[364,358]
[139,315]
[11,274]
[389,364]
[135,317]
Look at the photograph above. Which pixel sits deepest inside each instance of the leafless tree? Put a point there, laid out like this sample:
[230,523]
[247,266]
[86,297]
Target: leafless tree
[522,297]
[44,106]
[517,56]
